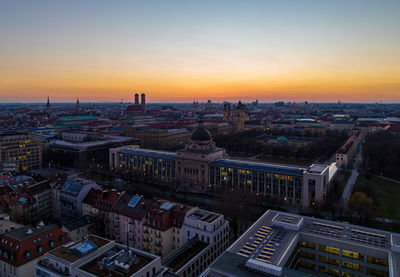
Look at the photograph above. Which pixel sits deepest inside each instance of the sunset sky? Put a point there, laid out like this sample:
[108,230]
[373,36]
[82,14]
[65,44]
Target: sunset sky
[187,50]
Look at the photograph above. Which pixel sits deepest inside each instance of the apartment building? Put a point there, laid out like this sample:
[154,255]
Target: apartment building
[71,195]
[21,248]
[96,256]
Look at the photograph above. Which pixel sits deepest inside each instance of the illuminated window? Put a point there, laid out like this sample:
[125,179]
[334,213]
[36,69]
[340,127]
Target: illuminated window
[307,244]
[351,254]
[353,266]
[329,249]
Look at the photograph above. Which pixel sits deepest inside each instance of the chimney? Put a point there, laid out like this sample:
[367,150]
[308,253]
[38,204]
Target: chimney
[136,99]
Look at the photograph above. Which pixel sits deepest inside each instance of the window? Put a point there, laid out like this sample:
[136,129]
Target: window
[353,266]
[378,261]
[329,249]
[354,255]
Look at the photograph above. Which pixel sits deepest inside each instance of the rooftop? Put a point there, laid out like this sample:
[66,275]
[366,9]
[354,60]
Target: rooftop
[184,254]
[27,232]
[270,241]
[86,144]
[117,262]
[149,153]
[75,250]
[204,215]
[267,167]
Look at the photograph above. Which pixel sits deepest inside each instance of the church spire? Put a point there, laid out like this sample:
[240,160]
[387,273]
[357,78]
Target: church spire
[48,104]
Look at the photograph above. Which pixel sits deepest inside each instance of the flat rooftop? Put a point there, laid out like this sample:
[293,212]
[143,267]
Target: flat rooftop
[27,232]
[204,215]
[260,166]
[121,265]
[149,153]
[183,255]
[87,144]
[67,252]
[272,238]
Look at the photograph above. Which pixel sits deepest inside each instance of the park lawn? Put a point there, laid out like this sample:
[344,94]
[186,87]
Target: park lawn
[388,196]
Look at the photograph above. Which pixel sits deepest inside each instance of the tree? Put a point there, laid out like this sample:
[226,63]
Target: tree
[361,204]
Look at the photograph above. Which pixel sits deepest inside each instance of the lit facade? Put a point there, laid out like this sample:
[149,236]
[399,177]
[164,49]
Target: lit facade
[283,244]
[21,149]
[202,165]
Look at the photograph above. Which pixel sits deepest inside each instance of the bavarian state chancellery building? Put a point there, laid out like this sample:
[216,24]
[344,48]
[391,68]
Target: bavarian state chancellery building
[201,165]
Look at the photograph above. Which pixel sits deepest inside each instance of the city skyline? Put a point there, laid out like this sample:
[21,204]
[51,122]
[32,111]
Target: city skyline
[179,52]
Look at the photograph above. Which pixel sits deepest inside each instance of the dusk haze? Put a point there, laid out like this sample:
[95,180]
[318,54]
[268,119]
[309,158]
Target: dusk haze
[199,50]
[200,138]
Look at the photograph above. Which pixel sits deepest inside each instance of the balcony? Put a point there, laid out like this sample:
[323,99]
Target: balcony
[158,247]
[146,244]
[146,235]
[159,239]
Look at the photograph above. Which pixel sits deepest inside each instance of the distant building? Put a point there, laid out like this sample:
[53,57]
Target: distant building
[137,108]
[96,256]
[21,149]
[48,107]
[158,138]
[239,116]
[22,248]
[346,153]
[202,165]
[82,150]
[284,244]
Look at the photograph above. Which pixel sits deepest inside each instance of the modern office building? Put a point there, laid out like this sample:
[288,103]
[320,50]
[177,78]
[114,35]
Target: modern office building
[96,256]
[144,163]
[201,165]
[21,149]
[284,244]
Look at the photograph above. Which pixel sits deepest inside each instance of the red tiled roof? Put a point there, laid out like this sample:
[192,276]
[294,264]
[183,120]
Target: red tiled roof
[102,199]
[41,239]
[138,212]
[165,219]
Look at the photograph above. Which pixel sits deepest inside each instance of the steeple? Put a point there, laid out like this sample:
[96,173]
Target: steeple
[77,105]
[48,104]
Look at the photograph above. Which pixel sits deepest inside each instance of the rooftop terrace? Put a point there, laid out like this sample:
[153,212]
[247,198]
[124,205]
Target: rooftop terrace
[116,262]
[67,252]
